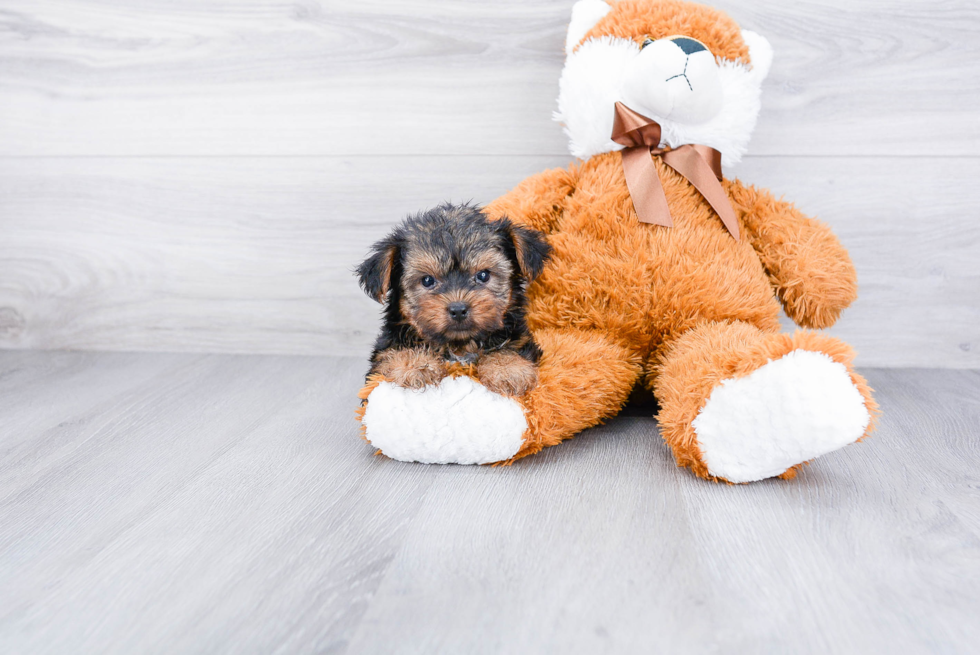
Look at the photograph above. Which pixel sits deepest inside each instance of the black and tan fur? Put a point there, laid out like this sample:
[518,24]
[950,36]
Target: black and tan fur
[453,284]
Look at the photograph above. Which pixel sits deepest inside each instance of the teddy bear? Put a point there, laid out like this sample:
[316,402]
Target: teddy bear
[664,271]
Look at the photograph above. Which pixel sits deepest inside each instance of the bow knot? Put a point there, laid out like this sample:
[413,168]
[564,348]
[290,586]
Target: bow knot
[698,164]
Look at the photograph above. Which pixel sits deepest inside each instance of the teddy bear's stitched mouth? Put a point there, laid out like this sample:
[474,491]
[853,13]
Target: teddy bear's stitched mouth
[683,73]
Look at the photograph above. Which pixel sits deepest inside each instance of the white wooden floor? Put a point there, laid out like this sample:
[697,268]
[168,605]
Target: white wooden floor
[222,503]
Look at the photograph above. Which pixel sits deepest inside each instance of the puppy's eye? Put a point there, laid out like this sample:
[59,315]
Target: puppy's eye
[428,282]
[483,276]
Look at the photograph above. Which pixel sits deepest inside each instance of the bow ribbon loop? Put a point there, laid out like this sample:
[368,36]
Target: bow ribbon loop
[698,164]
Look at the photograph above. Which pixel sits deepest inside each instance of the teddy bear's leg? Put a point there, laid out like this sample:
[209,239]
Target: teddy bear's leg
[740,404]
[583,377]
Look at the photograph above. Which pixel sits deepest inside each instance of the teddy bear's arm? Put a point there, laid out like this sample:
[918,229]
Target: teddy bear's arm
[538,201]
[809,268]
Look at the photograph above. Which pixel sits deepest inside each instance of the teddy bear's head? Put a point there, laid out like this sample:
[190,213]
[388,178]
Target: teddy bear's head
[685,65]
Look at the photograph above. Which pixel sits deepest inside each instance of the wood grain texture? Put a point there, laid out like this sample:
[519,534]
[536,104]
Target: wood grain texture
[276,77]
[255,255]
[197,482]
[189,503]
[201,176]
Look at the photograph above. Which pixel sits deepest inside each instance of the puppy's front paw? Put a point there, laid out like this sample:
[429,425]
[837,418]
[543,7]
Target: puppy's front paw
[417,378]
[412,369]
[507,373]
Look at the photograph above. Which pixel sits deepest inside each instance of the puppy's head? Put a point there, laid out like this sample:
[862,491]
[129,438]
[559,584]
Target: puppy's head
[452,273]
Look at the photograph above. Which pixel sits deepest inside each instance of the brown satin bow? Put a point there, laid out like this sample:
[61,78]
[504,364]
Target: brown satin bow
[700,165]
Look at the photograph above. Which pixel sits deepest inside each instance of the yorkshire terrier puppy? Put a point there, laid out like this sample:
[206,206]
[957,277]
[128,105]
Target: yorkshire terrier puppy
[452,282]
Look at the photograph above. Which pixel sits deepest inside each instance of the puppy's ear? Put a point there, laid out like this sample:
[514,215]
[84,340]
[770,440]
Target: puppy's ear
[375,273]
[530,246]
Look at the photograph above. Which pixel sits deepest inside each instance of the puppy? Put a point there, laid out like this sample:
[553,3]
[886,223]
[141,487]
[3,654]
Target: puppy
[452,282]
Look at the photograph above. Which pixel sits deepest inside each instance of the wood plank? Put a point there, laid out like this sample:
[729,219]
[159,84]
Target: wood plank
[491,571]
[188,504]
[227,504]
[272,77]
[887,537]
[38,395]
[604,546]
[255,255]
[227,255]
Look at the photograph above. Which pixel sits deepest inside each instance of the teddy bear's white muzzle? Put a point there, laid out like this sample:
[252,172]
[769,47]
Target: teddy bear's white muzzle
[675,78]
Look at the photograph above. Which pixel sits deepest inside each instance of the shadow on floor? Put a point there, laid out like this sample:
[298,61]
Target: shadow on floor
[641,403]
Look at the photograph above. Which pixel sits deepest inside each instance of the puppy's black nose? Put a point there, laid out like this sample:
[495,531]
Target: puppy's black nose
[458,310]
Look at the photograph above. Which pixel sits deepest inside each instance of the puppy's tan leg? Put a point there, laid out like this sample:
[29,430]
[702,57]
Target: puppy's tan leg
[413,368]
[507,373]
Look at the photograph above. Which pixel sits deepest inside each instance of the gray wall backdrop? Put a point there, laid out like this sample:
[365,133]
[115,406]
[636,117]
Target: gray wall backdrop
[201,175]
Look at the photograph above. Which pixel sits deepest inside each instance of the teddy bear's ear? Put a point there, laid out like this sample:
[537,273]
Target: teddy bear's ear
[585,14]
[530,248]
[376,272]
[760,52]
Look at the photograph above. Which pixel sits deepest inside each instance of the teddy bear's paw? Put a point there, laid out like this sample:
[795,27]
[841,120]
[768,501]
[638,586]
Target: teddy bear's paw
[788,411]
[458,421]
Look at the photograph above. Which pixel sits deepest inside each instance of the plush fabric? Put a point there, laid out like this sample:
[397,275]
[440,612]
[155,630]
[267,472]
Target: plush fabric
[591,83]
[687,310]
[457,421]
[758,398]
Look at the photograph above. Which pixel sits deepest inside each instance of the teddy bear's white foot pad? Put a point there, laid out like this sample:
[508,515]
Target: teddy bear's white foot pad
[458,421]
[790,410]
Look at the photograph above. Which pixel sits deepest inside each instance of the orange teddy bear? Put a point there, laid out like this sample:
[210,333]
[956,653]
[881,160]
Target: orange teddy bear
[662,272]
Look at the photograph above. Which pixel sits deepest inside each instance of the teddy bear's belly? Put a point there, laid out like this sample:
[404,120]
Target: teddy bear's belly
[650,282]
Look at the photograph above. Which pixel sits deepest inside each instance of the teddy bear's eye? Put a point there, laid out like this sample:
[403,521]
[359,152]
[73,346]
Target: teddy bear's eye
[483,276]
[428,281]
